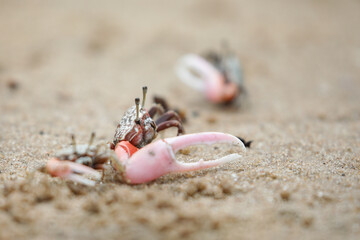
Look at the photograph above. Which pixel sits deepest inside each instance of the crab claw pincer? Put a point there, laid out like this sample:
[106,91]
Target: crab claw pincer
[70,170]
[158,158]
[199,74]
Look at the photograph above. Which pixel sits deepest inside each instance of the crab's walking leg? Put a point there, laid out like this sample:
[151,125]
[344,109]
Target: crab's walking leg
[158,158]
[169,119]
[171,123]
[169,115]
[157,109]
[162,102]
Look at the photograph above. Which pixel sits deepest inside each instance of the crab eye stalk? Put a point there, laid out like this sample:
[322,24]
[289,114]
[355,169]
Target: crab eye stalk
[144,97]
[90,141]
[73,142]
[137,102]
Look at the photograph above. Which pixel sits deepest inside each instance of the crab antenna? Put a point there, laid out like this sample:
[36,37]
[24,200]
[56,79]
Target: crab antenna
[73,142]
[137,102]
[90,141]
[144,97]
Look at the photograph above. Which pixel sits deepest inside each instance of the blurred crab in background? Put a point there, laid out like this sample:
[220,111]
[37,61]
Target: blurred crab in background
[135,158]
[218,75]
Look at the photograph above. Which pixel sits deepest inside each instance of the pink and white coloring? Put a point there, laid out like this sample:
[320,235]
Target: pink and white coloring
[158,158]
[137,166]
[218,77]
[135,158]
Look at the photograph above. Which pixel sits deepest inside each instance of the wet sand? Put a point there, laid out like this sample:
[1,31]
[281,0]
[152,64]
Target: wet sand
[73,68]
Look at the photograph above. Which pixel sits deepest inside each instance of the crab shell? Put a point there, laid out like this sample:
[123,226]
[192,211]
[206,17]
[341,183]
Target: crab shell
[138,133]
[85,154]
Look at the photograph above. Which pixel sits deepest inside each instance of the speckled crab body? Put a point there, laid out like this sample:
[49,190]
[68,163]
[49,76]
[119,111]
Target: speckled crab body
[138,134]
[138,127]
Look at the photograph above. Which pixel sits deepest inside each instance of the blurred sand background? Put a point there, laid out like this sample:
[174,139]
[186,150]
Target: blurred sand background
[75,67]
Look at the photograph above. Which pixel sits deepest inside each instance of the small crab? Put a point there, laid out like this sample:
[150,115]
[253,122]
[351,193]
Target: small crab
[218,76]
[138,127]
[80,158]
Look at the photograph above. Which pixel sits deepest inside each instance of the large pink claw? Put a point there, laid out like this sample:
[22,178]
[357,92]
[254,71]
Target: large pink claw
[70,170]
[158,158]
[199,74]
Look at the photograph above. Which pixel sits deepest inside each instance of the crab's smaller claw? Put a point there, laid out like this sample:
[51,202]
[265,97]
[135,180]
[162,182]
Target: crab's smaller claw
[199,74]
[70,170]
[158,158]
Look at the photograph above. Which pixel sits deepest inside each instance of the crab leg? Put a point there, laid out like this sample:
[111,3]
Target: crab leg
[168,116]
[162,102]
[157,109]
[169,119]
[171,123]
[158,158]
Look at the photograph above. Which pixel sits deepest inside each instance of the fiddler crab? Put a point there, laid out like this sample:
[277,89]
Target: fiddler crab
[77,159]
[132,154]
[218,76]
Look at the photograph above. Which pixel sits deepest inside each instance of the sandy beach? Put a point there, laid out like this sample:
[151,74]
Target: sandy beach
[74,67]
